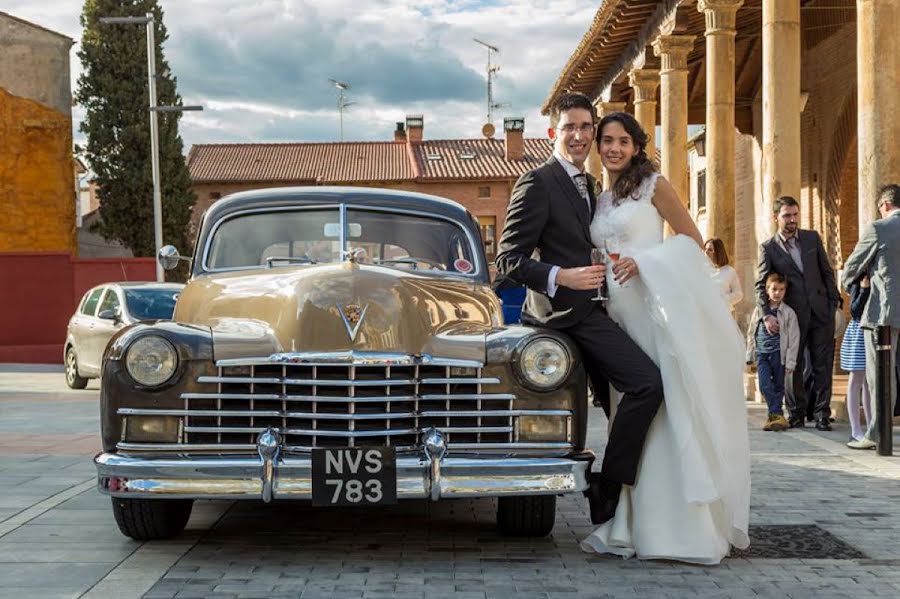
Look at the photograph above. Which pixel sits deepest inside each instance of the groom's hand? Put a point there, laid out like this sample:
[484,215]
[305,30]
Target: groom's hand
[584,278]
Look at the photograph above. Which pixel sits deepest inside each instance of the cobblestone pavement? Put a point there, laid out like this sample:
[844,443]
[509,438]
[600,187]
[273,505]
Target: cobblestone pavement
[58,537]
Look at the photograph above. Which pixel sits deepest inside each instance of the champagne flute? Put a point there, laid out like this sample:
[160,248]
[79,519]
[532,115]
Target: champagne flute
[598,257]
[613,250]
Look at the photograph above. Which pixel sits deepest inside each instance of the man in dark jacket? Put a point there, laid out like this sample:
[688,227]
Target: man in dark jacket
[546,246]
[799,255]
[878,255]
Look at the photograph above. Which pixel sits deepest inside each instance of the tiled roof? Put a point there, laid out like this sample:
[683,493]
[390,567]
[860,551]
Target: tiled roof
[477,158]
[327,163]
[356,162]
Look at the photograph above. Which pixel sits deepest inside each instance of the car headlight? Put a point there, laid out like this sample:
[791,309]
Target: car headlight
[151,360]
[544,363]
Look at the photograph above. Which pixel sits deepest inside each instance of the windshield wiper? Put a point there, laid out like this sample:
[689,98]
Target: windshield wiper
[412,261]
[289,259]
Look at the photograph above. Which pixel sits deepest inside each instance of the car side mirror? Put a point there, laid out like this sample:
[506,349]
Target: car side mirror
[112,315]
[168,257]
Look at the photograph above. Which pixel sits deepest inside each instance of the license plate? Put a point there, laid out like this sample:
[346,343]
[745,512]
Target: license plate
[354,476]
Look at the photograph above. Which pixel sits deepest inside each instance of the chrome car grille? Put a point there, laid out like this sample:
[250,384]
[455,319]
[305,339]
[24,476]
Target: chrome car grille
[346,405]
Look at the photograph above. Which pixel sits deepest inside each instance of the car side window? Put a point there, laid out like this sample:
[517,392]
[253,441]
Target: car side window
[90,304]
[110,301]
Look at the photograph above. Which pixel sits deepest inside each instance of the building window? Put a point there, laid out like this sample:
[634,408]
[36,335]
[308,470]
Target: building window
[700,200]
[484,193]
[489,235]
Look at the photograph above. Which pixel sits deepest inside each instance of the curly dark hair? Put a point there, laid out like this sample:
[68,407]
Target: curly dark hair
[640,167]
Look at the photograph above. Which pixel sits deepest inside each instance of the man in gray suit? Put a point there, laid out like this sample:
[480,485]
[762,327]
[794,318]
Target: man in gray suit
[878,255]
[799,255]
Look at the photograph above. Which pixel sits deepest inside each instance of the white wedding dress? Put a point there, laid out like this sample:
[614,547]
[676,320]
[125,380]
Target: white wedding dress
[691,498]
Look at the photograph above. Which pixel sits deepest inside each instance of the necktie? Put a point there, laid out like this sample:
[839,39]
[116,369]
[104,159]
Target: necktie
[794,250]
[581,184]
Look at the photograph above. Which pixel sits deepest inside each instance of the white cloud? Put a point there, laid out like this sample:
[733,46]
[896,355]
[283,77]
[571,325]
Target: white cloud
[260,68]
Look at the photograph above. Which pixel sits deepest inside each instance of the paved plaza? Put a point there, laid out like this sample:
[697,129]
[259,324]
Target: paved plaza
[826,521]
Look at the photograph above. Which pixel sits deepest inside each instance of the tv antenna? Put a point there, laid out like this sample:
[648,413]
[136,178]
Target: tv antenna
[491,70]
[342,102]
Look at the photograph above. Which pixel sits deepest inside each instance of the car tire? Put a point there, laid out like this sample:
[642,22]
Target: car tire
[72,379]
[151,519]
[528,516]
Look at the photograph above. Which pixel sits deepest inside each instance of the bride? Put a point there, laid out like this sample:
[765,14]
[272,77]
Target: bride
[691,498]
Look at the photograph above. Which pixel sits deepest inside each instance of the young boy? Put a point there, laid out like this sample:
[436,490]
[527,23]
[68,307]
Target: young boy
[776,352]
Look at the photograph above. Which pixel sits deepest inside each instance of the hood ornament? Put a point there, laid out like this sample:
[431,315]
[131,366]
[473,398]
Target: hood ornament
[353,316]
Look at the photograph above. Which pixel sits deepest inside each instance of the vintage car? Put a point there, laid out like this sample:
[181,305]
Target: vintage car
[339,345]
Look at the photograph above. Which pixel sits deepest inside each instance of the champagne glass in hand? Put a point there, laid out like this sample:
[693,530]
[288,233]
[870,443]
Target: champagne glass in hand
[598,257]
[613,250]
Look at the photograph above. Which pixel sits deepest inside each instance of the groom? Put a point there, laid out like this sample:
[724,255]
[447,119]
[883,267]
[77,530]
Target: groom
[546,246]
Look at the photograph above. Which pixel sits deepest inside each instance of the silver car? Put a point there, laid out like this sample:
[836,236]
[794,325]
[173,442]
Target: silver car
[101,313]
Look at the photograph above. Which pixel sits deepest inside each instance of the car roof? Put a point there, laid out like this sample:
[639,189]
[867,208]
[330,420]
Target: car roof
[138,285]
[148,285]
[362,196]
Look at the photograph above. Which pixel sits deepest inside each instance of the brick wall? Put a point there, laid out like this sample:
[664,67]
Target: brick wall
[828,73]
[828,162]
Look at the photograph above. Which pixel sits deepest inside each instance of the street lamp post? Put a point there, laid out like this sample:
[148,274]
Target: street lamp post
[147,20]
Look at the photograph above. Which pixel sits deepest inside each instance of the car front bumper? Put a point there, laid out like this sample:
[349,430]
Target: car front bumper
[291,477]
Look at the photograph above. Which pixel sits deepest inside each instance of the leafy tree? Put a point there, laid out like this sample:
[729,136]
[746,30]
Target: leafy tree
[114,92]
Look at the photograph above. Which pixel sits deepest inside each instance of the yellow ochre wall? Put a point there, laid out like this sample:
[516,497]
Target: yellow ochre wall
[37,185]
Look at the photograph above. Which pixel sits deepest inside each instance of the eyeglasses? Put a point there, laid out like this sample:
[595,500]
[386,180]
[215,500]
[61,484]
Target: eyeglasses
[572,128]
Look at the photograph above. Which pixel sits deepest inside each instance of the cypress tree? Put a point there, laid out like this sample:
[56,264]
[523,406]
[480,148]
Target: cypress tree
[113,89]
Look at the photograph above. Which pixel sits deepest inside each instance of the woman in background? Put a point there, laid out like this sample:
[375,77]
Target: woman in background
[724,275]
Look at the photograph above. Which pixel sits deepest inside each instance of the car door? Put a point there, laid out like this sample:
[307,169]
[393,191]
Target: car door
[106,327]
[88,360]
[78,322]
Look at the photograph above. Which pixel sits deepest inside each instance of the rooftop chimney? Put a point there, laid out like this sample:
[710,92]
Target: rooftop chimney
[414,125]
[400,132]
[514,131]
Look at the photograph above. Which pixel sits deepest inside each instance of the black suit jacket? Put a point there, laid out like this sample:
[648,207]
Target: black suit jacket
[812,292]
[547,224]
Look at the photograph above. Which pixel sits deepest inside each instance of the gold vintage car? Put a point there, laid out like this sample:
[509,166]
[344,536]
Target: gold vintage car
[339,345]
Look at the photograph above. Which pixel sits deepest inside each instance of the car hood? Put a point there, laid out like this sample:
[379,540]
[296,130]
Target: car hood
[340,307]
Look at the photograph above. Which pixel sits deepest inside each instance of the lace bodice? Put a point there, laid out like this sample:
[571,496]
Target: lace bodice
[636,223]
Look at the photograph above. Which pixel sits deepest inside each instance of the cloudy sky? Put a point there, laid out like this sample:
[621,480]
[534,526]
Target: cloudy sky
[261,68]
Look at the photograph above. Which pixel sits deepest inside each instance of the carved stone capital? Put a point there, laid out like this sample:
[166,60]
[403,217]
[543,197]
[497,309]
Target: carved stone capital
[644,82]
[720,15]
[604,108]
[673,50]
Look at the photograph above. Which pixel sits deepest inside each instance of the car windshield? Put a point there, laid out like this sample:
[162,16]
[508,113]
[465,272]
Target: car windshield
[312,236]
[151,304]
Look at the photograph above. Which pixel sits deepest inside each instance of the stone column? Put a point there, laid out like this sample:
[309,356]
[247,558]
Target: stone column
[720,32]
[593,164]
[603,108]
[644,82]
[781,100]
[673,96]
[878,105]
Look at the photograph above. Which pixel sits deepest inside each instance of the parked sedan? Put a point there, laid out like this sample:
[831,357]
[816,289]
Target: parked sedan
[339,345]
[101,313]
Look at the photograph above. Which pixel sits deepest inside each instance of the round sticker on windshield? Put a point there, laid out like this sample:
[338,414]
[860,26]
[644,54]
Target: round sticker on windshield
[462,265]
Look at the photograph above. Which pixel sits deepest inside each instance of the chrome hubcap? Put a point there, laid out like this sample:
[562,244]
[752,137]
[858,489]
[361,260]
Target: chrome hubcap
[70,365]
